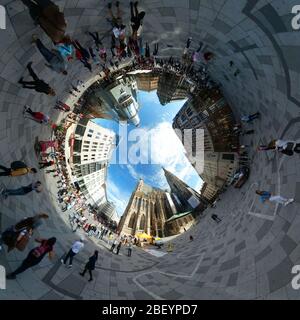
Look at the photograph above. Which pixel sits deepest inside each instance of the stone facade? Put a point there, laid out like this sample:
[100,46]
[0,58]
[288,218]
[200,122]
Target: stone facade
[210,120]
[147,211]
[147,81]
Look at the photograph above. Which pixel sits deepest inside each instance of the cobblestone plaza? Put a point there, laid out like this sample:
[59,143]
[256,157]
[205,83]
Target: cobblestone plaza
[251,253]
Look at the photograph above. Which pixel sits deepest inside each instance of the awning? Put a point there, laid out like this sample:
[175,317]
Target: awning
[143,236]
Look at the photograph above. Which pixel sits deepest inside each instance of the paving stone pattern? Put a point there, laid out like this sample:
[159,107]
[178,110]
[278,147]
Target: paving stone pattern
[246,256]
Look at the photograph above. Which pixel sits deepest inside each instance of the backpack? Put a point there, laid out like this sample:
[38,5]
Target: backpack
[18,165]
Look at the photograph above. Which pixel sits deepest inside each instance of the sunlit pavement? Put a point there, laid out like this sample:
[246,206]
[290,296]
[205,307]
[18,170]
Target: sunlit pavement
[250,254]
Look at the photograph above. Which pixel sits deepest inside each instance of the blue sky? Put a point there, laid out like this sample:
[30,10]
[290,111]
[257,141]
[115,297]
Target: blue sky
[161,148]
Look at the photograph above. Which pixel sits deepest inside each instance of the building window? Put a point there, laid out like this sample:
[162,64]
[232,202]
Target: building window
[142,223]
[189,112]
[132,221]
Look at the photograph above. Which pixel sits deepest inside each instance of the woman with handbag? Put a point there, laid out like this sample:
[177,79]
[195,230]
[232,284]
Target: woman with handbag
[18,236]
[35,256]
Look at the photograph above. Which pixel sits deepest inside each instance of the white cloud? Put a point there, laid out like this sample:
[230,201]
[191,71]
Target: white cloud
[166,151]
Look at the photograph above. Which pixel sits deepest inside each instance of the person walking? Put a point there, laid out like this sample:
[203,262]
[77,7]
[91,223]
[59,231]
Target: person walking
[90,265]
[79,48]
[216,218]
[155,51]
[35,256]
[51,20]
[38,85]
[119,34]
[17,168]
[75,249]
[188,43]
[119,247]
[62,106]
[55,60]
[136,19]
[95,36]
[17,236]
[251,117]
[147,51]
[116,20]
[65,48]
[129,248]
[36,116]
[115,242]
[285,147]
[267,196]
[36,186]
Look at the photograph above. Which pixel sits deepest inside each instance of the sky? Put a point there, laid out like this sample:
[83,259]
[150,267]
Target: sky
[160,147]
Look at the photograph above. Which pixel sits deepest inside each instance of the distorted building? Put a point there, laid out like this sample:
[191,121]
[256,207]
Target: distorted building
[180,223]
[115,99]
[92,148]
[108,209]
[148,211]
[184,197]
[209,192]
[147,81]
[171,87]
[214,159]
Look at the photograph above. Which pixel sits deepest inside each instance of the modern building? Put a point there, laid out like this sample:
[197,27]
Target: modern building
[147,81]
[171,87]
[214,159]
[91,150]
[115,99]
[108,209]
[184,197]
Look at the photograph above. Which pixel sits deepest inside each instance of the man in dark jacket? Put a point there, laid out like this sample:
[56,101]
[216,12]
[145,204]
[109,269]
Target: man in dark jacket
[38,84]
[90,265]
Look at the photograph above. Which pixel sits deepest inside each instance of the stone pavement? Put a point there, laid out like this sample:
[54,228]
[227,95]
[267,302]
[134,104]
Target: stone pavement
[250,254]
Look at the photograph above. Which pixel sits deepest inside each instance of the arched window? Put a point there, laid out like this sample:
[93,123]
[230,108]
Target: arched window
[142,223]
[135,202]
[132,221]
